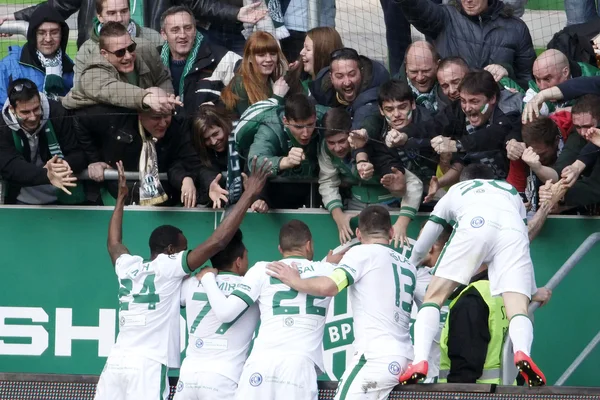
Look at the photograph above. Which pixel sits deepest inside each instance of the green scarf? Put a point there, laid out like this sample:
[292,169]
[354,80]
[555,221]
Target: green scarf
[137,13]
[78,195]
[427,100]
[165,55]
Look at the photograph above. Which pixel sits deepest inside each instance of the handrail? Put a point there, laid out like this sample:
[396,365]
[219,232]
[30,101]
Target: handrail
[508,369]
[14,28]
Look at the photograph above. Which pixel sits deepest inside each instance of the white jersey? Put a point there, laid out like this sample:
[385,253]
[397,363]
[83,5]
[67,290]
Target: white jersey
[149,294]
[214,346]
[290,322]
[382,283]
[479,201]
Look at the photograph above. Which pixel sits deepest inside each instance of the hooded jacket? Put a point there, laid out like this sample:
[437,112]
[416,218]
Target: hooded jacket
[493,37]
[23,62]
[365,104]
[22,169]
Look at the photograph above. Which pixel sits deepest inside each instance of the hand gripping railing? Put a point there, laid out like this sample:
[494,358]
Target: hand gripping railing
[14,28]
[509,371]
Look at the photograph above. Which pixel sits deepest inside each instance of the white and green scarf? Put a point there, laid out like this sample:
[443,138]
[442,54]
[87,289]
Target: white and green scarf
[427,100]
[151,190]
[165,55]
[54,85]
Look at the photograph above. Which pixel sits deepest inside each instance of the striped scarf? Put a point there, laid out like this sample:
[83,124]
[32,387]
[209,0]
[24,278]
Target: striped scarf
[427,100]
[165,55]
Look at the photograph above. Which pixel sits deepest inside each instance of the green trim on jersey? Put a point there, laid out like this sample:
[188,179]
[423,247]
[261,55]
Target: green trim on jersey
[444,249]
[434,305]
[184,263]
[243,296]
[348,276]
[438,220]
[346,385]
[525,221]
[163,382]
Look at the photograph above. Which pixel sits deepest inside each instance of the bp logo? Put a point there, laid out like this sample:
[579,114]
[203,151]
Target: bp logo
[289,321]
[477,222]
[199,343]
[255,379]
[394,368]
[180,386]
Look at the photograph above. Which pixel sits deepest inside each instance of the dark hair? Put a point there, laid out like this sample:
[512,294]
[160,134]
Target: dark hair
[444,236]
[111,29]
[299,107]
[175,10]
[234,249]
[590,103]
[374,220]
[394,90]
[480,82]
[345,53]
[477,171]
[100,6]
[453,60]
[293,235]
[336,120]
[540,130]
[21,89]
[207,117]
[162,237]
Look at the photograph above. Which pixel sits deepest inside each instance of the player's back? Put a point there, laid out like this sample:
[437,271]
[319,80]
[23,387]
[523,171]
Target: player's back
[149,295]
[292,322]
[214,346]
[493,199]
[381,297]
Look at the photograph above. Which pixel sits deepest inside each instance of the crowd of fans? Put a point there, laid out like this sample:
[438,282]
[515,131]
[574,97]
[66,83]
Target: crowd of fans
[191,97]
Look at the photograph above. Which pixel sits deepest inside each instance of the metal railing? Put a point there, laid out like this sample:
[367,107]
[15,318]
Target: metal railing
[509,371]
[14,28]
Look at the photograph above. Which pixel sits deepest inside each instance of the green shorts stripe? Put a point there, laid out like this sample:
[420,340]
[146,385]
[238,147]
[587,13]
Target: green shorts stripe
[163,383]
[346,385]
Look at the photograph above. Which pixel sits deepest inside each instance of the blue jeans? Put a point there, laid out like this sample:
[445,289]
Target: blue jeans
[580,11]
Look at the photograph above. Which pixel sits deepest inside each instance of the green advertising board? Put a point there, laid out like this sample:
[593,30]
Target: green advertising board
[58,296]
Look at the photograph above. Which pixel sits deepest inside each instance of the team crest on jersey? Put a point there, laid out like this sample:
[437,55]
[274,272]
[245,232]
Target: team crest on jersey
[477,222]
[122,321]
[289,321]
[256,379]
[199,343]
[180,386]
[396,316]
[394,368]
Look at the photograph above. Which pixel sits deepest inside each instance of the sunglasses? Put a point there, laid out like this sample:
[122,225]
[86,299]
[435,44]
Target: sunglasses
[345,53]
[18,88]
[121,52]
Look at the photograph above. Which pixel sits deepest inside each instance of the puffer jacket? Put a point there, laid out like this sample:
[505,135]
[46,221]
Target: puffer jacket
[365,104]
[22,62]
[203,10]
[494,37]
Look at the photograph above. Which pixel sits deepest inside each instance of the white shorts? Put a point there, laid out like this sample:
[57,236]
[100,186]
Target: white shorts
[276,378]
[504,249]
[132,377]
[198,385]
[371,379]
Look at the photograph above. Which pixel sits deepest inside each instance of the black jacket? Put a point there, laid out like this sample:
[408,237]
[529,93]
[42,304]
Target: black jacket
[110,134]
[45,13]
[17,168]
[204,10]
[494,37]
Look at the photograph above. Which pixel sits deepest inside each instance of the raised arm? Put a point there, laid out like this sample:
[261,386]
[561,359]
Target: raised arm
[429,235]
[429,18]
[225,231]
[115,228]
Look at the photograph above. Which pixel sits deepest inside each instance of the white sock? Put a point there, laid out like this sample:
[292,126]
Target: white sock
[520,330]
[426,327]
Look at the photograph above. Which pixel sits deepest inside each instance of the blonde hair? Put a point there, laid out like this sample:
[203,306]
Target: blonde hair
[259,43]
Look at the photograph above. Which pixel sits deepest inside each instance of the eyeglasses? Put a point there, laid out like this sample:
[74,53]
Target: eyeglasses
[121,52]
[345,53]
[18,88]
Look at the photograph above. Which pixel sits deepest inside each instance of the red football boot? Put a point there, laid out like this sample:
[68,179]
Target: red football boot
[532,374]
[414,373]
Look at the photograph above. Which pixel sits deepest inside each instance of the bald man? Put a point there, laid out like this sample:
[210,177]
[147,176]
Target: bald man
[421,64]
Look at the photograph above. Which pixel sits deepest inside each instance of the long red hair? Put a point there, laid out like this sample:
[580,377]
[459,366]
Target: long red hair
[259,43]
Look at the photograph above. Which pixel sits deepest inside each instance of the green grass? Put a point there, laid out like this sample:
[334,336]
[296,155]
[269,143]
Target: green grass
[545,5]
[5,42]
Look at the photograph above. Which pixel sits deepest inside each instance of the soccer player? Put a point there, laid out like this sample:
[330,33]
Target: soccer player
[289,342]
[488,218]
[381,285]
[216,352]
[149,296]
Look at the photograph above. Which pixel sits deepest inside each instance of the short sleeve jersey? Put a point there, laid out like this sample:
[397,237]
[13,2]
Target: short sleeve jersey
[214,346]
[290,322]
[495,201]
[149,297]
[381,286]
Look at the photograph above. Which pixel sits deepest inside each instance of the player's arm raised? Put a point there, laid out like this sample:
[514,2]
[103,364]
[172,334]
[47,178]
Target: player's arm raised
[225,231]
[115,228]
